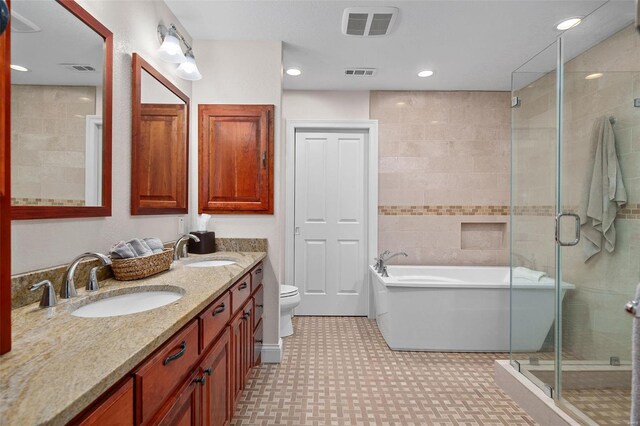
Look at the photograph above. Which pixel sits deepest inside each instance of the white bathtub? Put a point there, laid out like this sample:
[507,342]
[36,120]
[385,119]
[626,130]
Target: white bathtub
[461,309]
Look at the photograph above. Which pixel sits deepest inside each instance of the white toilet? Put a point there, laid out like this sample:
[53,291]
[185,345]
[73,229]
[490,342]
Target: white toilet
[289,299]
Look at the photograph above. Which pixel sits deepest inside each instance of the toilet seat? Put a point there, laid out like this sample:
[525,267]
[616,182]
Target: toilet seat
[288,291]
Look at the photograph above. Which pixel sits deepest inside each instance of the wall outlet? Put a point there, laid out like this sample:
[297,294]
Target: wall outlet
[181,230]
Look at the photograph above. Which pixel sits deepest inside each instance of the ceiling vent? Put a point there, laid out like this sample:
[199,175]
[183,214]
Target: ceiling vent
[360,72]
[20,24]
[368,21]
[78,67]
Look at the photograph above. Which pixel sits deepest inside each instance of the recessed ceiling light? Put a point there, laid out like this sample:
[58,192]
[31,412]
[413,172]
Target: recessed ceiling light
[594,76]
[568,23]
[425,73]
[401,103]
[18,68]
[294,72]
[85,98]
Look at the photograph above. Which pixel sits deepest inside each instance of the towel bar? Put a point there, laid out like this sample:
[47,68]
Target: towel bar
[631,307]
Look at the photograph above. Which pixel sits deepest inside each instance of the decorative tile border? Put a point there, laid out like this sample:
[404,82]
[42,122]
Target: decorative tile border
[441,210]
[534,211]
[630,211]
[17,201]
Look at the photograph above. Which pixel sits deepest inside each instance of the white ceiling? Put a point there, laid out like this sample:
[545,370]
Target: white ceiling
[63,39]
[469,44]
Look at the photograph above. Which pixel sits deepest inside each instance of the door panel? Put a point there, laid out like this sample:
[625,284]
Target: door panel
[330,206]
[5,193]
[217,388]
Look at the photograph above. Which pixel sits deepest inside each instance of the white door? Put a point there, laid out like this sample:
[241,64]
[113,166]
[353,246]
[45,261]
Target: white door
[330,220]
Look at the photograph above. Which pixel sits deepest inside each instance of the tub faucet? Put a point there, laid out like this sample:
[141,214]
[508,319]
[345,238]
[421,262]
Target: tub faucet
[181,240]
[68,289]
[378,260]
[382,268]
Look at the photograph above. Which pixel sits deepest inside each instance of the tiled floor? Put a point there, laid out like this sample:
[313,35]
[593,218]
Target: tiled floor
[339,371]
[606,406]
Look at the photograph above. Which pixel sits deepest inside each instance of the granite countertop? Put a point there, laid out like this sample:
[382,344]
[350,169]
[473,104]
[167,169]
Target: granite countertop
[59,363]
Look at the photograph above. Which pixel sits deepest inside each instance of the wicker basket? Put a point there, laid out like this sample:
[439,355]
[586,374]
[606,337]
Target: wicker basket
[141,267]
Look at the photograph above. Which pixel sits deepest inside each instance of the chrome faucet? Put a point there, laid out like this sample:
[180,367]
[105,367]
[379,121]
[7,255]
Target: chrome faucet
[176,245]
[381,266]
[379,260]
[68,289]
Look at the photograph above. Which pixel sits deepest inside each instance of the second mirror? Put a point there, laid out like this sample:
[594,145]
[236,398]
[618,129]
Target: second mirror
[160,143]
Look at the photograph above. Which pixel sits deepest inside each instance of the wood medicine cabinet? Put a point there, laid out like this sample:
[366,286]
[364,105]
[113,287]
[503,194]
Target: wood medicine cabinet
[235,159]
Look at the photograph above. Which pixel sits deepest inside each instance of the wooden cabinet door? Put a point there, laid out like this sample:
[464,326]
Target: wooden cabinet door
[5,192]
[115,410]
[237,345]
[216,394]
[185,409]
[160,167]
[247,350]
[236,159]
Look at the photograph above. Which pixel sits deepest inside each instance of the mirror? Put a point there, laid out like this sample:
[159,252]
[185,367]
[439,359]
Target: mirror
[60,111]
[160,143]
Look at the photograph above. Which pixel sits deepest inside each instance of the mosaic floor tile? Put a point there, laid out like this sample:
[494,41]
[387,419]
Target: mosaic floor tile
[339,371]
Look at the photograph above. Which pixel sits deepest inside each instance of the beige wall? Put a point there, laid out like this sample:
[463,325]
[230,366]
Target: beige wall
[48,141]
[245,72]
[444,175]
[594,323]
[41,243]
[325,105]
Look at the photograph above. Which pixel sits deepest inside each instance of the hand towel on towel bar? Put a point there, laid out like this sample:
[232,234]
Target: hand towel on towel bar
[604,193]
[635,368]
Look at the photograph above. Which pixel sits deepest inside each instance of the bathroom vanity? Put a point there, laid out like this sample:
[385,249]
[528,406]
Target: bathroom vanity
[183,363]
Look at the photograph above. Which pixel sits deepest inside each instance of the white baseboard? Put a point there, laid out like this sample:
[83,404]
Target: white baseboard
[272,354]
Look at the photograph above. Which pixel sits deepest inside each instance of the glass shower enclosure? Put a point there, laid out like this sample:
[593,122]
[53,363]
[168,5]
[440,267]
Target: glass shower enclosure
[575,128]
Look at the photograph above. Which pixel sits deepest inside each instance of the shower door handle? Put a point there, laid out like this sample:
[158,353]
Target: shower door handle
[577,229]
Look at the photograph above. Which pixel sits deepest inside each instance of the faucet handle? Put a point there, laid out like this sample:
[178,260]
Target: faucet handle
[48,299]
[92,284]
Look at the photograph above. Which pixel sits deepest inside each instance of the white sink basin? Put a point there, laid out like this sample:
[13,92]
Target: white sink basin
[211,263]
[125,304]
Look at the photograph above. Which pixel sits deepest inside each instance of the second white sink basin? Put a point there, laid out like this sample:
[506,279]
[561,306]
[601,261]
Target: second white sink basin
[210,263]
[125,304]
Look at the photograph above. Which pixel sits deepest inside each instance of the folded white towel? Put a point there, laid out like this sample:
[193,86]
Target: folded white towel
[528,274]
[122,250]
[140,247]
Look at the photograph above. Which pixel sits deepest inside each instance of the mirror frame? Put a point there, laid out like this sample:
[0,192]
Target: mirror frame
[60,212]
[138,66]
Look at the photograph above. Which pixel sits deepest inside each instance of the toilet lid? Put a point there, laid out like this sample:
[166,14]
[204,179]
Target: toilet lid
[288,290]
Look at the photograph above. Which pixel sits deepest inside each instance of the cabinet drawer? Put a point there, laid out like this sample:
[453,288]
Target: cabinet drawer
[259,309]
[115,410]
[214,319]
[240,292]
[256,276]
[160,374]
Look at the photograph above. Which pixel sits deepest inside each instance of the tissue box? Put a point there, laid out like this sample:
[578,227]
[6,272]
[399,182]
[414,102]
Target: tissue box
[206,245]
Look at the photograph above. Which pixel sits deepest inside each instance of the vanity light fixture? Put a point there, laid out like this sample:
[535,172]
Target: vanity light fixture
[171,51]
[425,73]
[18,68]
[594,76]
[568,23]
[188,70]
[294,72]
